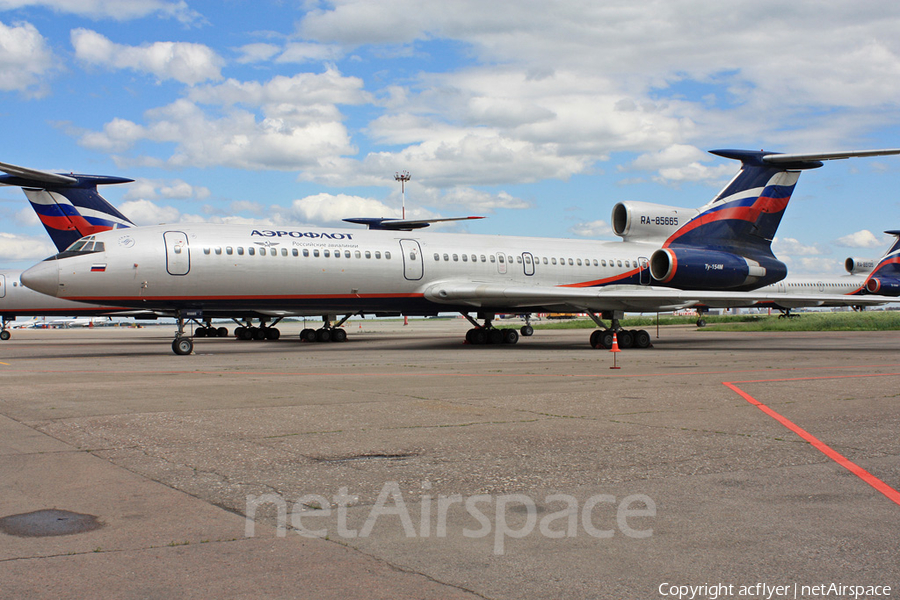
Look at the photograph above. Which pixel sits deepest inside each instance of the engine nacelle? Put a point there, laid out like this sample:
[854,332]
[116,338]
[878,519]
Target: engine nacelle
[643,221]
[883,286]
[694,268]
[856,266]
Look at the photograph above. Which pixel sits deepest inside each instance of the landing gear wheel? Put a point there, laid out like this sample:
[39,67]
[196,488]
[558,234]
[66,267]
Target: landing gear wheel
[4,335]
[272,333]
[182,346]
[625,339]
[222,332]
[495,336]
[308,335]
[527,331]
[597,339]
[510,336]
[641,339]
[338,335]
[701,322]
[200,332]
[257,333]
[323,335]
[606,338]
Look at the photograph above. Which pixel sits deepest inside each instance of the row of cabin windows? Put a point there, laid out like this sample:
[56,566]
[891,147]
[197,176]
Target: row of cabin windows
[306,252]
[537,260]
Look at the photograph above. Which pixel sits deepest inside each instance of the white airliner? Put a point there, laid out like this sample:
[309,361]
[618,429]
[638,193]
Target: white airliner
[710,256]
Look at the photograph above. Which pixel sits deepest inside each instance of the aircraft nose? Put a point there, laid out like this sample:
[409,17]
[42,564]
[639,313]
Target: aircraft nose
[43,277]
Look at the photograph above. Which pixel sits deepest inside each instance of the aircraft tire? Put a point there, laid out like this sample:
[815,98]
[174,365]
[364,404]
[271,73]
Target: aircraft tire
[338,335]
[495,336]
[5,335]
[596,339]
[200,332]
[257,333]
[527,330]
[272,333]
[641,339]
[701,322]
[182,346]
[308,335]
[605,339]
[510,336]
[323,335]
[222,332]
[625,339]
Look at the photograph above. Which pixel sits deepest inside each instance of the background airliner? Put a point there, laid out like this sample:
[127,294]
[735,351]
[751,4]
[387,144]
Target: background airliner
[712,256]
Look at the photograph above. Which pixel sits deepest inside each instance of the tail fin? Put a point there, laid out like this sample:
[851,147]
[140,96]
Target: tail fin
[68,206]
[728,244]
[885,277]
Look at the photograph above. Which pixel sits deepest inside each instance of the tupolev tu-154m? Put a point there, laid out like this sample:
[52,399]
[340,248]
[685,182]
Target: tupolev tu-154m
[669,258]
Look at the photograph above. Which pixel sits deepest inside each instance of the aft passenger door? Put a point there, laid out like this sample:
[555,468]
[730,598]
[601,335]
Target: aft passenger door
[178,253]
[644,265]
[413,265]
[2,286]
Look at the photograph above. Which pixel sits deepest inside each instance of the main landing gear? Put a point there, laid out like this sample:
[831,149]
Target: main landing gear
[602,339]
[328,332]
[247,331]
[488,334]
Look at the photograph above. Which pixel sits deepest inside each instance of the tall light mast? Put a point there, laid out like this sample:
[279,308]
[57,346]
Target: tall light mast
[403,177]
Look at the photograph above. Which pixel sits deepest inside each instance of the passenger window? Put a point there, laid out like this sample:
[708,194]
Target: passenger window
[306,253]
[447,257]
[474,258]
[456,258]
[412,255]
[552,261]
[229,250]
[492,258]
[368,254]
[346,254]
[483,259]
[619,263]
[284,251]
[316,253]
[251,250]
[465,257]
[358,254]
[571,262]
[240,250]
[326,253]
[177,249]
[206,251]
[502,258]
[294,252]
[627,264]
[387,256]
[578,262]
[519,259]
[218,250]
[437,256]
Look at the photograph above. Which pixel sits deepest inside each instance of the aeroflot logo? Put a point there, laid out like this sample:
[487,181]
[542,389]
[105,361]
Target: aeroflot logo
[302,234]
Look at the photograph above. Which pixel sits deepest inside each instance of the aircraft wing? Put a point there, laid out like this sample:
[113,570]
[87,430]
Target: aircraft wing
[626,298]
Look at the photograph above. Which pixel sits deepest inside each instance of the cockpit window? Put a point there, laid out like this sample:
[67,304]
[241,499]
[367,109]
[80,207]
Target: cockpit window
[86,245]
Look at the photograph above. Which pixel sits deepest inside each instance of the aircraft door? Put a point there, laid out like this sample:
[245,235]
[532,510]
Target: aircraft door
[644,265]
[2,286]
[413,264]
[501,263]
[178,253]
[528,263]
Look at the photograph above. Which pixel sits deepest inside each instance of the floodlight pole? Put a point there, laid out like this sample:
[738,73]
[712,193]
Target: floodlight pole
[403,177]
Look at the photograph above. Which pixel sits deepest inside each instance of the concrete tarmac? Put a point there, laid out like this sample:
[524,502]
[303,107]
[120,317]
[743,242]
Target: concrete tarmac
[406,464]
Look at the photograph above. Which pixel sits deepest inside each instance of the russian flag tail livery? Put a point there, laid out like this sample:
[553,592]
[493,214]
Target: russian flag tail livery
[884,279]
[727,245]
[69,206]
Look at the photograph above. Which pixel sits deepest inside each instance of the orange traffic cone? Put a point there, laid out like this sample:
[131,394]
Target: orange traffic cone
[615,348]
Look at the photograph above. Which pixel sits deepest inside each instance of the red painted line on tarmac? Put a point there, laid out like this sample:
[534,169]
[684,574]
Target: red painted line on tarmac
[892,494]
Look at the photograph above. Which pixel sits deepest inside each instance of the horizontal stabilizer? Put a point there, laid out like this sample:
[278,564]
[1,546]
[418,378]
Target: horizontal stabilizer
[401,224]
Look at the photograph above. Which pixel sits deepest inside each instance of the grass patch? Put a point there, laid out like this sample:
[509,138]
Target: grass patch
[811,321]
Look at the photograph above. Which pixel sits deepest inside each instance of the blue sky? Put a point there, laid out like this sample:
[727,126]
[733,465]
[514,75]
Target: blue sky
[538,115]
